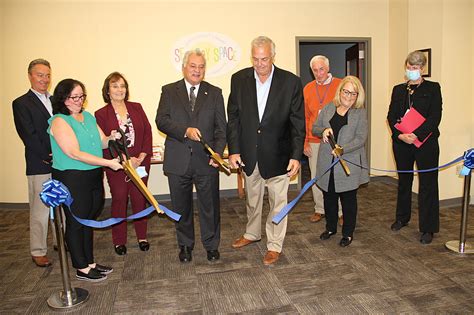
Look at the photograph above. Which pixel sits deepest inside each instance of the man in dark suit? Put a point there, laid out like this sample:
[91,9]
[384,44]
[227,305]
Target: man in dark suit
[31,112]
[191,109]
[265,136]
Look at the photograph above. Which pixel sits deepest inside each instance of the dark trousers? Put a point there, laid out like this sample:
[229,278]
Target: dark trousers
[349,208]
[207,188]
[426,157]
[87,190]
[120,189]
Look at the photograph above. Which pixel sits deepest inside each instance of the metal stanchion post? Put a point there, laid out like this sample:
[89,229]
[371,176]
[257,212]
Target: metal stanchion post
[461,246]
[69,297]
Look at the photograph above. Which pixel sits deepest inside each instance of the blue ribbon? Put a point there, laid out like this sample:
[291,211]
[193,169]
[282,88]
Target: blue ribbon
[468,162]
[56,193]
[468,165]
[286,209]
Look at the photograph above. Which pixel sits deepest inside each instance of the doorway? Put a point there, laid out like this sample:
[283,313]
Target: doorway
[347,56]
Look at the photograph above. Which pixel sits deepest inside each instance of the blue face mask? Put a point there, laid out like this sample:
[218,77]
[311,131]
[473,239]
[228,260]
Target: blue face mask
[412,75]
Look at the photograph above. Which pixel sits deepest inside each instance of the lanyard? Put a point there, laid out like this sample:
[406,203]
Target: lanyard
[321,100]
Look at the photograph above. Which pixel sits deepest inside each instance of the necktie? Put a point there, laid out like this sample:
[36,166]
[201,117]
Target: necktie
[192,98]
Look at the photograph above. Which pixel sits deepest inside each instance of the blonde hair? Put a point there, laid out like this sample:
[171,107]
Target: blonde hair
[359,103]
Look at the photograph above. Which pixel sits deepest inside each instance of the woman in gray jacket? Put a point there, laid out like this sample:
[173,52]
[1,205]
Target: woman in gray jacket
[346,120]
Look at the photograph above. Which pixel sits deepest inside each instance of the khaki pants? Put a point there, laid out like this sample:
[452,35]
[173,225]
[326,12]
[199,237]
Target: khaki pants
[277,197]
[317,193]
[39,216]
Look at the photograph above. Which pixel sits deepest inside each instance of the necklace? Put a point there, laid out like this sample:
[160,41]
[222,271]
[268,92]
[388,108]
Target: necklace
[411,88]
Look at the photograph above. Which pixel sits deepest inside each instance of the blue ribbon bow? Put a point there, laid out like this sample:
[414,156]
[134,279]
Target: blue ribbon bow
[468,162]
[55,193]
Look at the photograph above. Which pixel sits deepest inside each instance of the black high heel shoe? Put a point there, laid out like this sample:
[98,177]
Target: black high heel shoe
[144,246]
[120,249]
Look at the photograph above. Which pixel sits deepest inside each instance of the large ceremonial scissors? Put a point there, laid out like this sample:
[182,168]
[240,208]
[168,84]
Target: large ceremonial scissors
[338,151]
[216,157]
[118,149]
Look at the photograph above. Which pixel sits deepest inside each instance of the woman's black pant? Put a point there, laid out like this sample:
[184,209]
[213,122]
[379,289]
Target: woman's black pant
[349,208]
[87,190]
[426,157]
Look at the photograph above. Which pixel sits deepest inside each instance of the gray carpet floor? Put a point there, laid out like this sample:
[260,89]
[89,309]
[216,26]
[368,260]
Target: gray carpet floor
[380,272]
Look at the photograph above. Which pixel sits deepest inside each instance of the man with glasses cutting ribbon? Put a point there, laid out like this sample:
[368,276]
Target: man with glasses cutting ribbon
[191,111]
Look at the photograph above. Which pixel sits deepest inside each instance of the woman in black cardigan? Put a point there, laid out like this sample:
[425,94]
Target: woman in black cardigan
[425,97]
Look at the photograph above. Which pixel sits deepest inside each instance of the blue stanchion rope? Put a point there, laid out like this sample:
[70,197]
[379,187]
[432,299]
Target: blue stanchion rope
[55,193]
[468,158]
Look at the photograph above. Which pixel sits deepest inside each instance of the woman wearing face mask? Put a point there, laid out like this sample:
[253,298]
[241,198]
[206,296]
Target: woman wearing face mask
[131,118]
[345,119]
[424,97]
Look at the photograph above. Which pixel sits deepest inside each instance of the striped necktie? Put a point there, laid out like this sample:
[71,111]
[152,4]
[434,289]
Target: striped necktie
[192,98]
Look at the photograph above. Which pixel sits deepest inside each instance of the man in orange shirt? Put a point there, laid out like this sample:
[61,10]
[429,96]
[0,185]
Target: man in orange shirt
[317,94]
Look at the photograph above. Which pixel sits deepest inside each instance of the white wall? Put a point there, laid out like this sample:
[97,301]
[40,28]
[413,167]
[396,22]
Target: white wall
[89,39]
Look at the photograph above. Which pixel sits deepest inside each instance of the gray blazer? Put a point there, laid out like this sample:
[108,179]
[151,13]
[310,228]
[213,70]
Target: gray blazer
[352,138]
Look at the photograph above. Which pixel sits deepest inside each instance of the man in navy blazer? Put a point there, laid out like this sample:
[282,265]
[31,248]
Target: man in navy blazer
[265,136]
[31,112]
[191,109]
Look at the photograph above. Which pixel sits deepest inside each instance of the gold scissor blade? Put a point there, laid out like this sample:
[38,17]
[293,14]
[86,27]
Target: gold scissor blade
[345,167]
[221,162]
[135,178]
[225,166]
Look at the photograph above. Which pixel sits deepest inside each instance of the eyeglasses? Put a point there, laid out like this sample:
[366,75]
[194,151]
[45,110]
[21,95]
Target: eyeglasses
[78,97]
[349,93]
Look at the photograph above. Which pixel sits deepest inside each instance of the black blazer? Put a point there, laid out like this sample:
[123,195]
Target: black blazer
[280,135]
[31,122]
[426,100]
[174,116]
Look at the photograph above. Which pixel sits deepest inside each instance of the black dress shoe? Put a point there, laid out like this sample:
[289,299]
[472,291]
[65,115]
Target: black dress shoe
[397,225]
[120,249]
[345,241]
[426,238]
[185,254]
[213,255]
[144,246]
[326,235]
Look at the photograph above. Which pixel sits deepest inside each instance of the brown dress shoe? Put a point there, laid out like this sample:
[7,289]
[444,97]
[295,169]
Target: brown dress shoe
[316,217]
[41,261]
[242,241]
[341,220]
[271,257]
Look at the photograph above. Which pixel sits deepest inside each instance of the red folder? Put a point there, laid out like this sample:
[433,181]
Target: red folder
[410,122]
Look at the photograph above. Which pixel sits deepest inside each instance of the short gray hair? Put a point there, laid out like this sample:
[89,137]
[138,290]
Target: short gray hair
[38,61]
[263,40]
[416,58]
[319,57]
[195,51]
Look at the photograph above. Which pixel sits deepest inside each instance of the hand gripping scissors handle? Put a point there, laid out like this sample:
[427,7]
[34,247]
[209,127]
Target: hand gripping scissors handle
[118,148]
[337,149]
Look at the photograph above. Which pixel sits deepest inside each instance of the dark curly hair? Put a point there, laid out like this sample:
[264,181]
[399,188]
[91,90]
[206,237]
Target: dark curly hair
[62,92]
[111,78]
